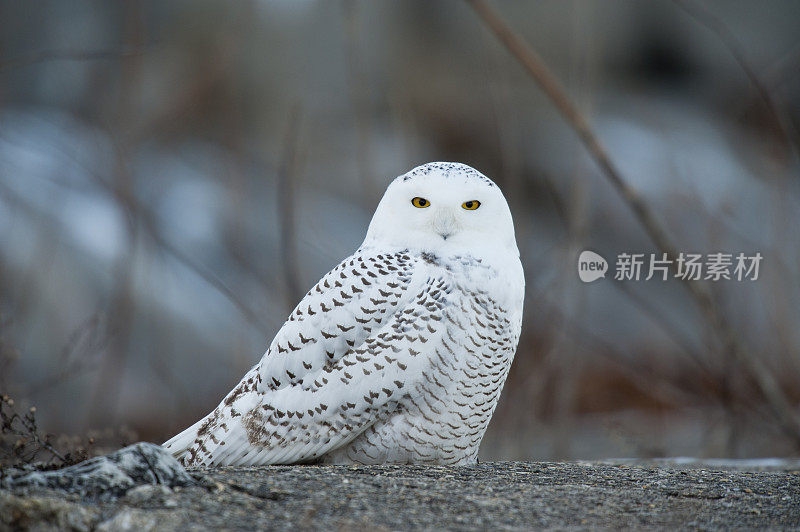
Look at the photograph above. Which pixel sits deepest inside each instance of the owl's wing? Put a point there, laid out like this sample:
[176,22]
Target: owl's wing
[346,357]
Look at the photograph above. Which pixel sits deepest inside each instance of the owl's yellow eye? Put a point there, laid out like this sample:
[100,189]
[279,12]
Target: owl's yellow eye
[471,205]
[420,203]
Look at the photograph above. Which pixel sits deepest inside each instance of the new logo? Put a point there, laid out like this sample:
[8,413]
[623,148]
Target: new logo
[591,266]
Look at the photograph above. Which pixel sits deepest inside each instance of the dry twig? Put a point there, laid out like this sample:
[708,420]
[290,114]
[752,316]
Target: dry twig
[29,442]
[703,16]
[359,98]
[700,292]
[69,55]
[286,203]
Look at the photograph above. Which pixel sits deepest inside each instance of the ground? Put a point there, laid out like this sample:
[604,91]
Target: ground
[505,495]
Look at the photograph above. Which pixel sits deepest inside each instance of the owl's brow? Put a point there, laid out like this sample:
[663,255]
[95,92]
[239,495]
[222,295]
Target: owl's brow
[447,169]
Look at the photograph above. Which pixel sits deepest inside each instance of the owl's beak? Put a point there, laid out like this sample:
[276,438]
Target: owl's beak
[445,223]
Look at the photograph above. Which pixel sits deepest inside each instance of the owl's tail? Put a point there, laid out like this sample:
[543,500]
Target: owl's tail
[179,444]
[212,440]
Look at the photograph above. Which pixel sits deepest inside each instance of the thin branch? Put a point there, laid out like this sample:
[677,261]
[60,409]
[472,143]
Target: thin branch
[551,86]
[676,392]
[127,199]
[135,208]
[26,428]
[703,16]
[359,98]
[700,292]
[656,316]
[85,340]
[783,69]
[69,55]
[286,203]
[666,325]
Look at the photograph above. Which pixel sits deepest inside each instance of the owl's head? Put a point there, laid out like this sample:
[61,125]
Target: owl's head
[445,208]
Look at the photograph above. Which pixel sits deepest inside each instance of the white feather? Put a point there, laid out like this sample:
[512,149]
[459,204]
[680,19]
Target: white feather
[398,354]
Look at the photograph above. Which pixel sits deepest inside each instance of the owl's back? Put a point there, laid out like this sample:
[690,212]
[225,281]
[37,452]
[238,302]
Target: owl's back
[443,417]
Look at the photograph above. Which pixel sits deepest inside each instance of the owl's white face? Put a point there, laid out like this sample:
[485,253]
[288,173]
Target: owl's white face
[444,208]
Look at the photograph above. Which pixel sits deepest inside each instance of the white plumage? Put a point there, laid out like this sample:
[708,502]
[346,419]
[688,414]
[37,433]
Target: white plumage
[399,353]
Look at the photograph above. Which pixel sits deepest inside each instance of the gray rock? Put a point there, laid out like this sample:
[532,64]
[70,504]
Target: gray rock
[34,513]
[110,476]
[492,495]
[130,519]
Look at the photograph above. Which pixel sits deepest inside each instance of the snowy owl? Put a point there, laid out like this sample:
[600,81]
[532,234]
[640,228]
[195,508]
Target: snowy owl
[399,353]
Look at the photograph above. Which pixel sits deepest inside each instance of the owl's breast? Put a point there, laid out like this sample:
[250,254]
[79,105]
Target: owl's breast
[498,278]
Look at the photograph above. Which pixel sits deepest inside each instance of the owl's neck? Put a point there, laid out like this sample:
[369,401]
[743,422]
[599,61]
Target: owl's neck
[500,259]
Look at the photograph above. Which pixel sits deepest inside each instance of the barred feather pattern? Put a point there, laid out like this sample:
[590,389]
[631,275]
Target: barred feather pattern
[392,357]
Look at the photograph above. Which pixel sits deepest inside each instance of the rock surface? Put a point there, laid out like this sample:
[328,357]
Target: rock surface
[110,476]
[507,495]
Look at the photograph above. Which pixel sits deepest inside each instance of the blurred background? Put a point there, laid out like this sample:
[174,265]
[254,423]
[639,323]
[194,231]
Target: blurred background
[175,175]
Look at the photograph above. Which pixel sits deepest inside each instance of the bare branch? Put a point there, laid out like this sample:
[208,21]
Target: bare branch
[783,69]
[551,86]
[136,209]
[703,16]
[286,175]
[24,427]
[357,83]
[700,292]
[70,55]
